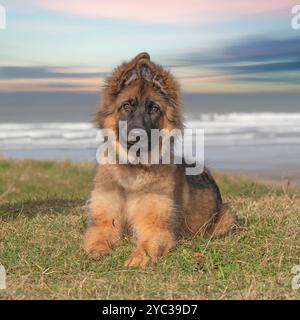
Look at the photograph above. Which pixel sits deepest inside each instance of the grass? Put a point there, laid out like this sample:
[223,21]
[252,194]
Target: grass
[42,220]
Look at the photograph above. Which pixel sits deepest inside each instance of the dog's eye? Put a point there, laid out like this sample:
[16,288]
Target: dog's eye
[154,109]
[126,107]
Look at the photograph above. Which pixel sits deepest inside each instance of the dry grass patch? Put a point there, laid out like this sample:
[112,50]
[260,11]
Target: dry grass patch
[42,210]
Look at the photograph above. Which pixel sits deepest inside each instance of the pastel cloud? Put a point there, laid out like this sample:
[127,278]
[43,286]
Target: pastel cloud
[32,72]
[167,11]
[267,59]
[49,79]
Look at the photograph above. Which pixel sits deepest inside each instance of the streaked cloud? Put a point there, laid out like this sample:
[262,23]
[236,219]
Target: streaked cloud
[49,79]
[243,65]
[32,72]
[245,50]
[264,67]
[254,59]
[262,49]
[167,11]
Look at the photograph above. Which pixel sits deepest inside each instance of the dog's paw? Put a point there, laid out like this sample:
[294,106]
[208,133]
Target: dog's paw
[139,257]
[98,249]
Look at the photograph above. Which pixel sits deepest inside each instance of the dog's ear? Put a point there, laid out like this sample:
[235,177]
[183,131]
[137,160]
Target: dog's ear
[130,72]
[126,79]
[145,70]
[161,80]
[142,55]
[125,74]
[122,76]
[149,72]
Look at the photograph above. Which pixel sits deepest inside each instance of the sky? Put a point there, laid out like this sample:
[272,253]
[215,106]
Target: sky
[211,46]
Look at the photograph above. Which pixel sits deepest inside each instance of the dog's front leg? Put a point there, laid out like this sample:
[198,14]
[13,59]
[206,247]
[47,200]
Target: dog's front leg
[151,216]
[106,222]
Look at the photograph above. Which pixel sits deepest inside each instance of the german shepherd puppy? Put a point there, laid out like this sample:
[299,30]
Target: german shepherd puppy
[157,204]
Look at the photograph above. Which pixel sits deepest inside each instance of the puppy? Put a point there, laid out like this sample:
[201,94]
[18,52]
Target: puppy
[157,204]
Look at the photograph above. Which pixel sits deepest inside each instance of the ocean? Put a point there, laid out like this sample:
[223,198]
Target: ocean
[243,139]
[234,141]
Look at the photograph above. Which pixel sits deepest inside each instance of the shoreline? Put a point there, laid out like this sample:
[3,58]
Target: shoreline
[290,179]
[282,176]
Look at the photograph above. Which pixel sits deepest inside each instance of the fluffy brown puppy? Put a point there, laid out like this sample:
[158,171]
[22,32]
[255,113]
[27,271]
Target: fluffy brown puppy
[157,204]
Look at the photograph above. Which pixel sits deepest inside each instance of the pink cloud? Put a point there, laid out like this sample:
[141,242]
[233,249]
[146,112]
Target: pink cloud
[165,11]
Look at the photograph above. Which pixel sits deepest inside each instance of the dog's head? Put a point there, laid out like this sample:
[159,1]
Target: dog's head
[143,95]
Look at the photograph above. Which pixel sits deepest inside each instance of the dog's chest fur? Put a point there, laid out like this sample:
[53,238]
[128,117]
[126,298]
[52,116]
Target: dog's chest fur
[138,178]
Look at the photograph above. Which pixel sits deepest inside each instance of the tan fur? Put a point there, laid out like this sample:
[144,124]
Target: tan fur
[155,203]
